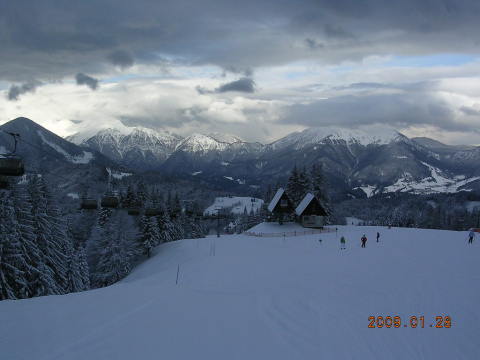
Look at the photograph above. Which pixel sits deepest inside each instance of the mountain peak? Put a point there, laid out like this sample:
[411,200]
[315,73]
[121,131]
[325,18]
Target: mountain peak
[226,138]
[318,135]
[200,143]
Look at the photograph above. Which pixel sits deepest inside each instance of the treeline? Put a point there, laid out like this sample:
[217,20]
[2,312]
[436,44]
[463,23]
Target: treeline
[44,252]
[115,241]
[37,254]
[442,211]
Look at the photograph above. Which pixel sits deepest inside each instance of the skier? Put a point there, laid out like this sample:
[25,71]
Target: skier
[364,241]
[471,235]
[342,243]
[378,236]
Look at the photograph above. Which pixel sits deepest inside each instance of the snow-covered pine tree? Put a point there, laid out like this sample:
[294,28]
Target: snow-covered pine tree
[60,244]
[81,256]
[47,239]
[111,265]
[166,227]
[82,226]
[131,200]
[13,264]
[115,256]
[150,236]
[77,271]
[39,277]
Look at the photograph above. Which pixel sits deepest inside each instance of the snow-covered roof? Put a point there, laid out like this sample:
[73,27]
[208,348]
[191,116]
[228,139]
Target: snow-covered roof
[275,199]
[304,203]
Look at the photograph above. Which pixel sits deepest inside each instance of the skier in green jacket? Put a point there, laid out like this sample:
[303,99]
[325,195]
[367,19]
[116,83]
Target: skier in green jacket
[342,243]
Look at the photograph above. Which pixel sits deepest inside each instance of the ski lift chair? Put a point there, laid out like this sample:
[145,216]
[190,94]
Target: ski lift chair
[152,212]
[134,211]
[89,204]
[110,201]
[11,165]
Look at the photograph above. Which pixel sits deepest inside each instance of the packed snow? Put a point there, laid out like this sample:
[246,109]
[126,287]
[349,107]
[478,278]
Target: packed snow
[73,195]
[267,298]
[437,182]
[234,204]
[369,190]
[196,173]
[353,220]
[118,174]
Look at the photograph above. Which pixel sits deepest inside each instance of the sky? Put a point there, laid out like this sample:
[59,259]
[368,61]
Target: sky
[258,69]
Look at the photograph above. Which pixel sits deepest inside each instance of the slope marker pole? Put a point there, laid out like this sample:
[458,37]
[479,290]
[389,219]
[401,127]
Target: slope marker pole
[178,272]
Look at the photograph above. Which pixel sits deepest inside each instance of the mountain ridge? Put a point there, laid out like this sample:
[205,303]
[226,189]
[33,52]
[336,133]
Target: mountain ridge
[356,163]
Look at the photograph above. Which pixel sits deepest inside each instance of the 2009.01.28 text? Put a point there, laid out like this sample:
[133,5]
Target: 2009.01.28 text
[439,322]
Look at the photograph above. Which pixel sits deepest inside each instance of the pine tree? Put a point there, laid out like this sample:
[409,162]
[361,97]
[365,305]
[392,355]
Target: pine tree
[81,256]
[176,208]
[113,264]
[318,186]
[47,233]
[150,235]
[13,264]
[166,227]
[60,245]
[297,186]
[304,182]
[114,250]
[38,276]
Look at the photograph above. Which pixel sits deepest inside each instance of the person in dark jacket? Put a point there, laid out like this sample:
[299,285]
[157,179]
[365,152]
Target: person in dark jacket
[471,235]
[364,241]
[378,236]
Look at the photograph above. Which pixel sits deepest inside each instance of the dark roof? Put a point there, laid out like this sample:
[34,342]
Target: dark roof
[310,206]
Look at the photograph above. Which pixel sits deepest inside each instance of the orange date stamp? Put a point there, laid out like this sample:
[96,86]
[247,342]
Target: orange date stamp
[413,322]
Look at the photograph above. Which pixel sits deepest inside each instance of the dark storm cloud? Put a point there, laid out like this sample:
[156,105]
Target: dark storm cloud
[245,85]
[335,31]
[121,58]
[313,44]
[89,81]
[470,111]
[53,38]
[398,110]
[15,91]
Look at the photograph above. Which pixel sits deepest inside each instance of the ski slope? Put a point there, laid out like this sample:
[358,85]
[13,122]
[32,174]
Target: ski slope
[266,298]
[235,205]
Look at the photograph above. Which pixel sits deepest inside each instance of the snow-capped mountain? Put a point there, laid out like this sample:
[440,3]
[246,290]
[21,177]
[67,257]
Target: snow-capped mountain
[199,143]
[323,135]
[362,163]
[141,148]
[226,138]
[71,168]
[356,163]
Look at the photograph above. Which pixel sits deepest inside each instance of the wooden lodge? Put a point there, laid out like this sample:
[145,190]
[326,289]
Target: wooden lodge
[310,212]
